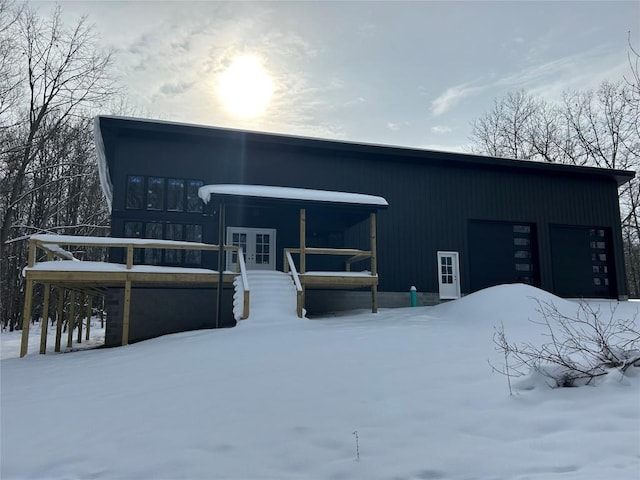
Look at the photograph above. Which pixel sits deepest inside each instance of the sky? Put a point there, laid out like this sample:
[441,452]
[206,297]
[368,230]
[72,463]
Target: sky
[414,74]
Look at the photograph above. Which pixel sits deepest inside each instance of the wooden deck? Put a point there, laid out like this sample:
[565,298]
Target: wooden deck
[90,278]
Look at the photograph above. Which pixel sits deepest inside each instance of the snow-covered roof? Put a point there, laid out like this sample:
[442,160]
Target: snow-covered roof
[103,167]
[290,193]
[112,241]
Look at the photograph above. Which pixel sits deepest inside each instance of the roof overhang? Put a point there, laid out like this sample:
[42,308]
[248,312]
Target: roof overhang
[291,195]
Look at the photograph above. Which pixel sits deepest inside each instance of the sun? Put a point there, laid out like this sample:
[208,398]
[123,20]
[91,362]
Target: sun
[245,87]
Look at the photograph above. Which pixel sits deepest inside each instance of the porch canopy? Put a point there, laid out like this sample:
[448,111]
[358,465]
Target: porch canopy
[329,211]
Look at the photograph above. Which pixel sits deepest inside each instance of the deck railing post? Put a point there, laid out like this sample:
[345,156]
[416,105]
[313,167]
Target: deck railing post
[221,255]
[89,311]
[374,263]
[45,319]
[303,240]
[126,312]
[129,256]
[303,257]
[72,318]
[26,315]
[59,319]
[81,316]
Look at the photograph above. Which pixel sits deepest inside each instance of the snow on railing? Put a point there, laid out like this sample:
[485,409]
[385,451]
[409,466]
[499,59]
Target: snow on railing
[299,291]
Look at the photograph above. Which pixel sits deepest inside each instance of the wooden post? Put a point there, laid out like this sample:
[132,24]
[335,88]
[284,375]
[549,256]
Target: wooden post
[374,263]
[45,312]
[80,317]
[72,318]
[221,232]
[31,259]
[102,312]
[26,314]
[59,319]
[89,311]
[299,304]
[303,240]
[129,256]
[303,258]
[245,311]
[45,319]
[125,315]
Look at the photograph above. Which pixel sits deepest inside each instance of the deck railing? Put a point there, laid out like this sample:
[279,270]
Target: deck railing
[355,254]
[51,245]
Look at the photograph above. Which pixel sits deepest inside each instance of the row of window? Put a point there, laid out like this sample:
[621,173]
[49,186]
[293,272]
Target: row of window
[166,231]
[164,194]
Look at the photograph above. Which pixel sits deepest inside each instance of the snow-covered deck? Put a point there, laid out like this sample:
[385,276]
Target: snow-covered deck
[105,274]
[92,278]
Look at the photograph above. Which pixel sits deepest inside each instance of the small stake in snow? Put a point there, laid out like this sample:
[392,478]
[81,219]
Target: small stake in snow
[355,433]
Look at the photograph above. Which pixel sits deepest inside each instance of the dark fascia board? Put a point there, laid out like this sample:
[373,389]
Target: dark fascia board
[405,153]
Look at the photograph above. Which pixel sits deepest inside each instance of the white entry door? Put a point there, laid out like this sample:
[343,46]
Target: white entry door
[258,245]
[448,275]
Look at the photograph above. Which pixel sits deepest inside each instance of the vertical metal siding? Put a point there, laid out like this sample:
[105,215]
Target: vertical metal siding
[430,204]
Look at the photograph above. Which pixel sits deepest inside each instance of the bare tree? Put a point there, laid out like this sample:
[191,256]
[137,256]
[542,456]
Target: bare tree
[53,78]
[66,74]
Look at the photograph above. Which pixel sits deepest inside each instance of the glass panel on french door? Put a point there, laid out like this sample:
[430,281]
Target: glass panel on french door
[262,248]
[238,240]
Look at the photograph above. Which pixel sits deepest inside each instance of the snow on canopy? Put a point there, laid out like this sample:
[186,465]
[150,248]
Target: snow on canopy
[290,193]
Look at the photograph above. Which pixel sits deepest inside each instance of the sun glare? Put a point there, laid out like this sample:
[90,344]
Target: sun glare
[245,87]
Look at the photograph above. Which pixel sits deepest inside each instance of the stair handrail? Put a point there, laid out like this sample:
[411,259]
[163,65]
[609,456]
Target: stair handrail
[245,284]
[296,281]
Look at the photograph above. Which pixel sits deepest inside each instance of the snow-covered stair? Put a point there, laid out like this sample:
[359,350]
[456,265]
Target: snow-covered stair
[272,293]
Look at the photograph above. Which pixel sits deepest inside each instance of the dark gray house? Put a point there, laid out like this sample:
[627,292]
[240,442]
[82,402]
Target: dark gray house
[454,223]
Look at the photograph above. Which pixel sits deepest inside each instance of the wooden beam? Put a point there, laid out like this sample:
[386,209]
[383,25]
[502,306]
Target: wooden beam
[337,281]
[59,320]
[26,314]
[72,318]
[45,319]
[89,311]
[126,313]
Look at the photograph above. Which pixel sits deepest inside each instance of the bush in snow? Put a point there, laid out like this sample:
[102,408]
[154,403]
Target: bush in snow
[579,348]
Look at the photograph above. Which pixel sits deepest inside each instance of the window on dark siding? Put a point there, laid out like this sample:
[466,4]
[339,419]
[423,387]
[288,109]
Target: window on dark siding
[175,195]
[173,232]
[194,204]
[134,230]
[153,256]
[155,193]
[193,233]
[135,192]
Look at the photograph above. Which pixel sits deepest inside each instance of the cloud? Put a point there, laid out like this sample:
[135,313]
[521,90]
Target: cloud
[393,126]
[174,88]
[546,79]
[441,129]
[451,96]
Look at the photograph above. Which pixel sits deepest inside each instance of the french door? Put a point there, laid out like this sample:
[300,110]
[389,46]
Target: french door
[448,275]
[258,245]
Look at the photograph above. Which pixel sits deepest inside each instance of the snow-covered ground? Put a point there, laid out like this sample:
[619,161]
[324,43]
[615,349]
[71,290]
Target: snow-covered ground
[283,398]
